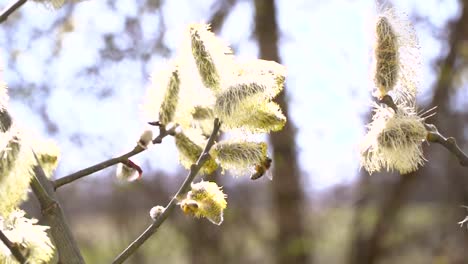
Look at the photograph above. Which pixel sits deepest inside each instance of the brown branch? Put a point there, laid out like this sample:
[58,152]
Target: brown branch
[388,100]
[10,9]
[13,248]
[172,204]
[449,143]
[51,210]
[105,164]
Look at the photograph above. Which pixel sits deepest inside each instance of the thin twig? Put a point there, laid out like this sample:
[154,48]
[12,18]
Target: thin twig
[10,9]
[13,248]
[52,212]
[105,164]
[388,100]
[172,204]
[449,143]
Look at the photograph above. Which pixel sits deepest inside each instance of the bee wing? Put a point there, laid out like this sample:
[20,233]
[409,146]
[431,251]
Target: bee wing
[269,174]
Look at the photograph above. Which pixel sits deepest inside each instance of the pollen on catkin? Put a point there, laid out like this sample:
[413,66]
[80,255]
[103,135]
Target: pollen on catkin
[189,143]
[205,199]
[394,140]
[239,156]
[31,237]
[396,58]
[163,95]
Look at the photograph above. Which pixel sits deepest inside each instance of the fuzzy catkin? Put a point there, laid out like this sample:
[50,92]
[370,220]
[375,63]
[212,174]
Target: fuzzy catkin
[394,140]
[32,238]
[231,99]
[205,199]
[258,118]
[189,152]
[386,56]
[171,97]
[203,59]
[239,156]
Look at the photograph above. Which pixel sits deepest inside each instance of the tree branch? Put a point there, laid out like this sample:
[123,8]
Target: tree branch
[172,204]
[52,212]
[10,9]
[449,143]
[105,164]
[13,248]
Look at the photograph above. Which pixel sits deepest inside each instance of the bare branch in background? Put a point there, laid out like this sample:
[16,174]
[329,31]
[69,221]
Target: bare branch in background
[172,204]
[52,212]
[105,164]
[13,248]
[10,9]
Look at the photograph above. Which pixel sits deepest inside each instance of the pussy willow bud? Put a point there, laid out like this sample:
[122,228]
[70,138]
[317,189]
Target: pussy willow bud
[145,139]
[156,211]
[128,171]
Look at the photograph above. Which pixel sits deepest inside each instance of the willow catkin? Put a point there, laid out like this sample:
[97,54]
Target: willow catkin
[386,56]
[240,155]
[171,97]
[205,199]
[190,151]
[394,140]
[203,59]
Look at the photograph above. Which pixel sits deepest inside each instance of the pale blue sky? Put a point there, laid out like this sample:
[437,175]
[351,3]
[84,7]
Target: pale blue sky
[326,46]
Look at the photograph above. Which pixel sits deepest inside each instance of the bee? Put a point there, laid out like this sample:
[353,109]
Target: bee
[262,169]
[189,207]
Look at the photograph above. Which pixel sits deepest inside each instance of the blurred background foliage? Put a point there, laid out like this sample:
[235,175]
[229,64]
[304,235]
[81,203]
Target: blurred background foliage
[79,74]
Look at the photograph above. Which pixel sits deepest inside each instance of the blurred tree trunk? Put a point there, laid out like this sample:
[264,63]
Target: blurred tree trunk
[288,195]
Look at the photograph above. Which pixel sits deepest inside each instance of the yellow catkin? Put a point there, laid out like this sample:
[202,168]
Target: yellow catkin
[386,56]
[189,152]
[394,140]
[239,156]
[205,199]
[32,238]
[231,99]
[203,59]
[17,161]
[171,97]
[261,118]
[15,181]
